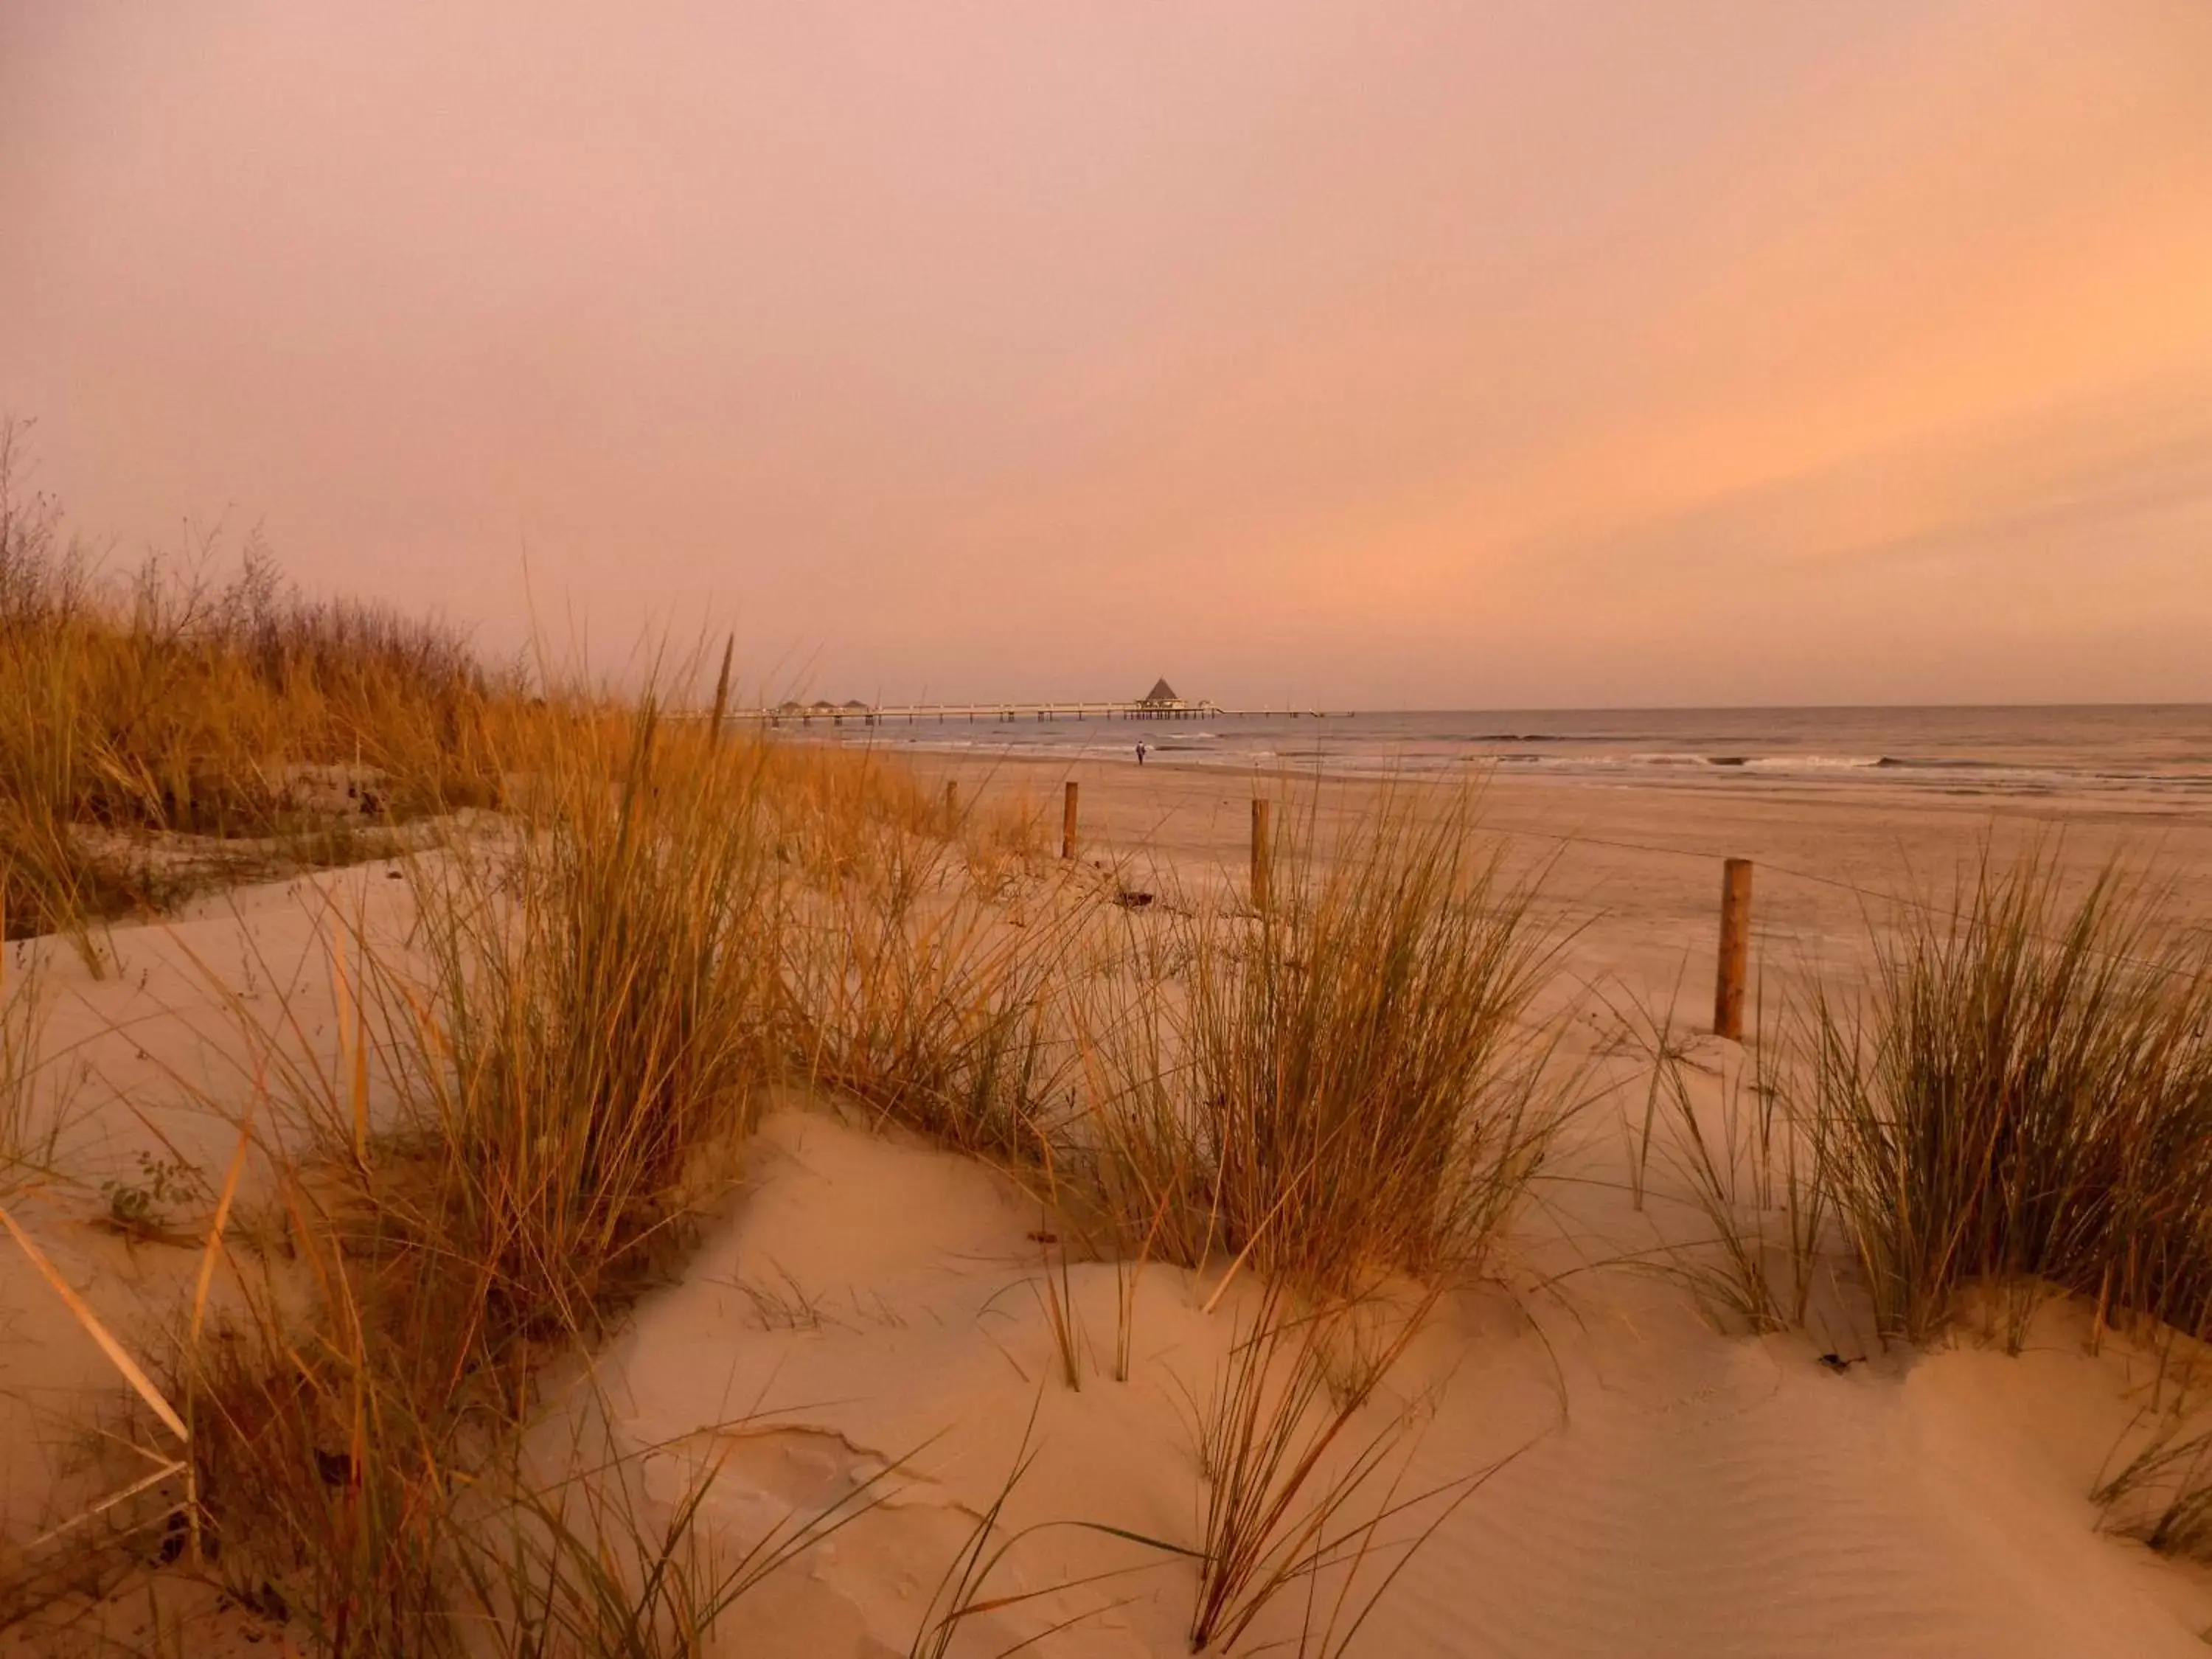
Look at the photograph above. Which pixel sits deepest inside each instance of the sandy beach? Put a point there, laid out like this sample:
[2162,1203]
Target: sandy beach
[1592,1461]
[1636,866]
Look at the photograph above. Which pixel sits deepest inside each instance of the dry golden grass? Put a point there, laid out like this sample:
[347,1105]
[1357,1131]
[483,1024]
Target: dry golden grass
[598,985]
[2025,1096]
[601,1011]
[162,702]
[589,1031]
[1355,1083]
[23,1145]
[2162,1495]
[909,986]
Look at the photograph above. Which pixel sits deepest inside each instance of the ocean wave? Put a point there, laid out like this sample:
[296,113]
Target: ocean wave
[1557,737]
[1691,759]
[1816,762]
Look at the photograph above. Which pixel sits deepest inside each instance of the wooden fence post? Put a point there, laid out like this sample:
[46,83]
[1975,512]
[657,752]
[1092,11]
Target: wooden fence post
[952,801]
[1262,857]
[1067,824]
[1735,948]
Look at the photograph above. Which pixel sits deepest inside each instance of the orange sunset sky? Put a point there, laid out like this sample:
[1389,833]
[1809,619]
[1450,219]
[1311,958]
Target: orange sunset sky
[1420,355]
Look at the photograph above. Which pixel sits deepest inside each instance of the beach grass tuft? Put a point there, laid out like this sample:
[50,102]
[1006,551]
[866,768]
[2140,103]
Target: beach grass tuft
[571,1052]
[2024,1094]
[909,986]
[1357,1081]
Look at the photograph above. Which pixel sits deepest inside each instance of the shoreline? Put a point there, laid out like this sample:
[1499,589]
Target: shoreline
[1883,779]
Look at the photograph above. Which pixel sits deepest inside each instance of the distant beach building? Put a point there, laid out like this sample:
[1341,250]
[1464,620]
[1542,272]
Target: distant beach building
[1164,702]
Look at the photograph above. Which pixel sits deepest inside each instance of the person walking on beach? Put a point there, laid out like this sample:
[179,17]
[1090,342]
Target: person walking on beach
[1140,751]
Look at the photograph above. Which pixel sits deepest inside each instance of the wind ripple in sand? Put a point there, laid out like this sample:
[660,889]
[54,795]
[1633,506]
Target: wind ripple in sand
[1767,1512]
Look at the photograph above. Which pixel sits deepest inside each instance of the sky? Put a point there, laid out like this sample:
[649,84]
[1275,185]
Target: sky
[1561,353]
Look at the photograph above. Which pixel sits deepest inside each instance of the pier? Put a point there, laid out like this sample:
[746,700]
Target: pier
[859,713]
[1162,702]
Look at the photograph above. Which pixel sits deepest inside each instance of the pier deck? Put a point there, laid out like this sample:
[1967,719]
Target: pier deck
[972,712]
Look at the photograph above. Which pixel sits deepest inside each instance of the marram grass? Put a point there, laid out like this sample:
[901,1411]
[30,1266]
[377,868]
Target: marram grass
[2024,1094]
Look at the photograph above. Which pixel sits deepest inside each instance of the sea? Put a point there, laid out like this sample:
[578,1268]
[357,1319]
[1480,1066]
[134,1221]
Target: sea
[2160,753]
